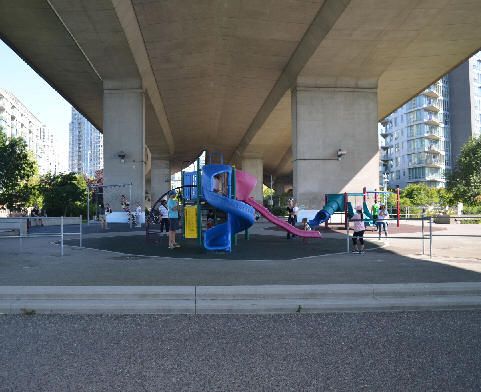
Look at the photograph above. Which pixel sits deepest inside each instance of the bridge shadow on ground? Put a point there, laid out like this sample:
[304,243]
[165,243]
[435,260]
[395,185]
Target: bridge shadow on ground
[244,266]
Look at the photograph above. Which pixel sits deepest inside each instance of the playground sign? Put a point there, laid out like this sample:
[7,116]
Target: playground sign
[190,221]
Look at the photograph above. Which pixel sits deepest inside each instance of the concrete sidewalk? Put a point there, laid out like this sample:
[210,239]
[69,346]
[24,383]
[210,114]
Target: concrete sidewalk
[396,277]
[240,299]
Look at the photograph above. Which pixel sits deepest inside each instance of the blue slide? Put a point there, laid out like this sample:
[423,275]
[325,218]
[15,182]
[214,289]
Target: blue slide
[334,203]
[240,216]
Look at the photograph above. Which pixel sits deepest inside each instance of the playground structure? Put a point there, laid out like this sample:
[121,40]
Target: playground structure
[226,189]
[339,203]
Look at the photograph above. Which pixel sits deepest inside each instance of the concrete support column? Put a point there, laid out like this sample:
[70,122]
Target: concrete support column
[159,177]
[281,185]
[123,123]
[325,120]
[255,167]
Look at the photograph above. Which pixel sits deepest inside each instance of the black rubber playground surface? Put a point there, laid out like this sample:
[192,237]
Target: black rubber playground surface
[258,247]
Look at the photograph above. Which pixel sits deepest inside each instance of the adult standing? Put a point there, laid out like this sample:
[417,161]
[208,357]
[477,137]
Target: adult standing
[173,207]
[35,213]
[138,213]
[375,212]
[381,222]
[292,210]
[108,211]
[102,217]
[164,216]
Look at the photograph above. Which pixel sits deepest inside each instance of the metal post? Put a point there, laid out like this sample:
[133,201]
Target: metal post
[430,236]
[347,234]
[398,208]
[199,215]
[375,195]
[233,191]
[346,215]
[88,205]
[80,232]
[183,201]
[364,192]
[61,236]
[422,230]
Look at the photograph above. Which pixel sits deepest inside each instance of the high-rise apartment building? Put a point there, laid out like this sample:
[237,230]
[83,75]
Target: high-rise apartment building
[421,140]
[465,98]
[416,140]
[86,154]
[16,120]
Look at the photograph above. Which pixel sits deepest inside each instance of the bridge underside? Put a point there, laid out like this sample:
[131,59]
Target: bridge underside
[234,76]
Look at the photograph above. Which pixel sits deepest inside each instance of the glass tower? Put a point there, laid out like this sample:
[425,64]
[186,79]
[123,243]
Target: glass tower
[85,146]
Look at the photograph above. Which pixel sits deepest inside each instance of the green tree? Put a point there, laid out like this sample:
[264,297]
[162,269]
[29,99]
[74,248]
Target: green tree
[465,180]
[64,194]
[17,167]
[419,195]
[266,191]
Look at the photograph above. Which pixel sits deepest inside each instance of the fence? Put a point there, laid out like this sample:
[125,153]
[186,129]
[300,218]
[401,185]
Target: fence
[428,221]
[61,234]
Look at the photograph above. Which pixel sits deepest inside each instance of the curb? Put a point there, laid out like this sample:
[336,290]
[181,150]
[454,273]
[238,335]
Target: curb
[240,299]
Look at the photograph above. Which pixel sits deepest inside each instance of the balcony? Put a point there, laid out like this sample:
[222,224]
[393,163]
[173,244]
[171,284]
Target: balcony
[385,148]
[385,133]
[432,92]
[432,105]
[437,163]
[432,149]
[384,122]
[433,135]
[385,157]
[432,119]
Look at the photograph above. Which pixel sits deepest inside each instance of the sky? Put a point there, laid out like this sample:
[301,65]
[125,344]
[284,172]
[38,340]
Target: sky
[37,96]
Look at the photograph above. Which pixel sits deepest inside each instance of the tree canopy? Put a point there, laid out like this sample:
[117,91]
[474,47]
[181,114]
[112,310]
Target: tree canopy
[17,168]
[64,194]
[465,180]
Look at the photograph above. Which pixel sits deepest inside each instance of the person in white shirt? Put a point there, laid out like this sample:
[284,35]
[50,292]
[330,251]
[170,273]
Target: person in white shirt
[164,216]
[381,223]
[138,212]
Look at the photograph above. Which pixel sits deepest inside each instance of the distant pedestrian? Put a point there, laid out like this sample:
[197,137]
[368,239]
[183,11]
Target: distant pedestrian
[138,213]
[375,212]
[124,203]
[35,213]
[381,221]
[164,216]
[306,227]
[173,207]
[359,229]
[292,210]
[108,211]
[102,217]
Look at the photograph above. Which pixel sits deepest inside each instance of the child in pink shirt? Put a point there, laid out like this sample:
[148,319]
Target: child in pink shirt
[359,229]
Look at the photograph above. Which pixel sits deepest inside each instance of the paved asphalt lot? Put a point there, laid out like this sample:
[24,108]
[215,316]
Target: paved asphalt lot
[412,351]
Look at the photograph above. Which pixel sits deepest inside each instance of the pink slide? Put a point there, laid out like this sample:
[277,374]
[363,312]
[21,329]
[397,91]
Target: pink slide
[280,222]
[245,183]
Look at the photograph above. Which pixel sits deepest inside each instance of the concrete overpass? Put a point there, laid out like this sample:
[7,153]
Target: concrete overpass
[276,86]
